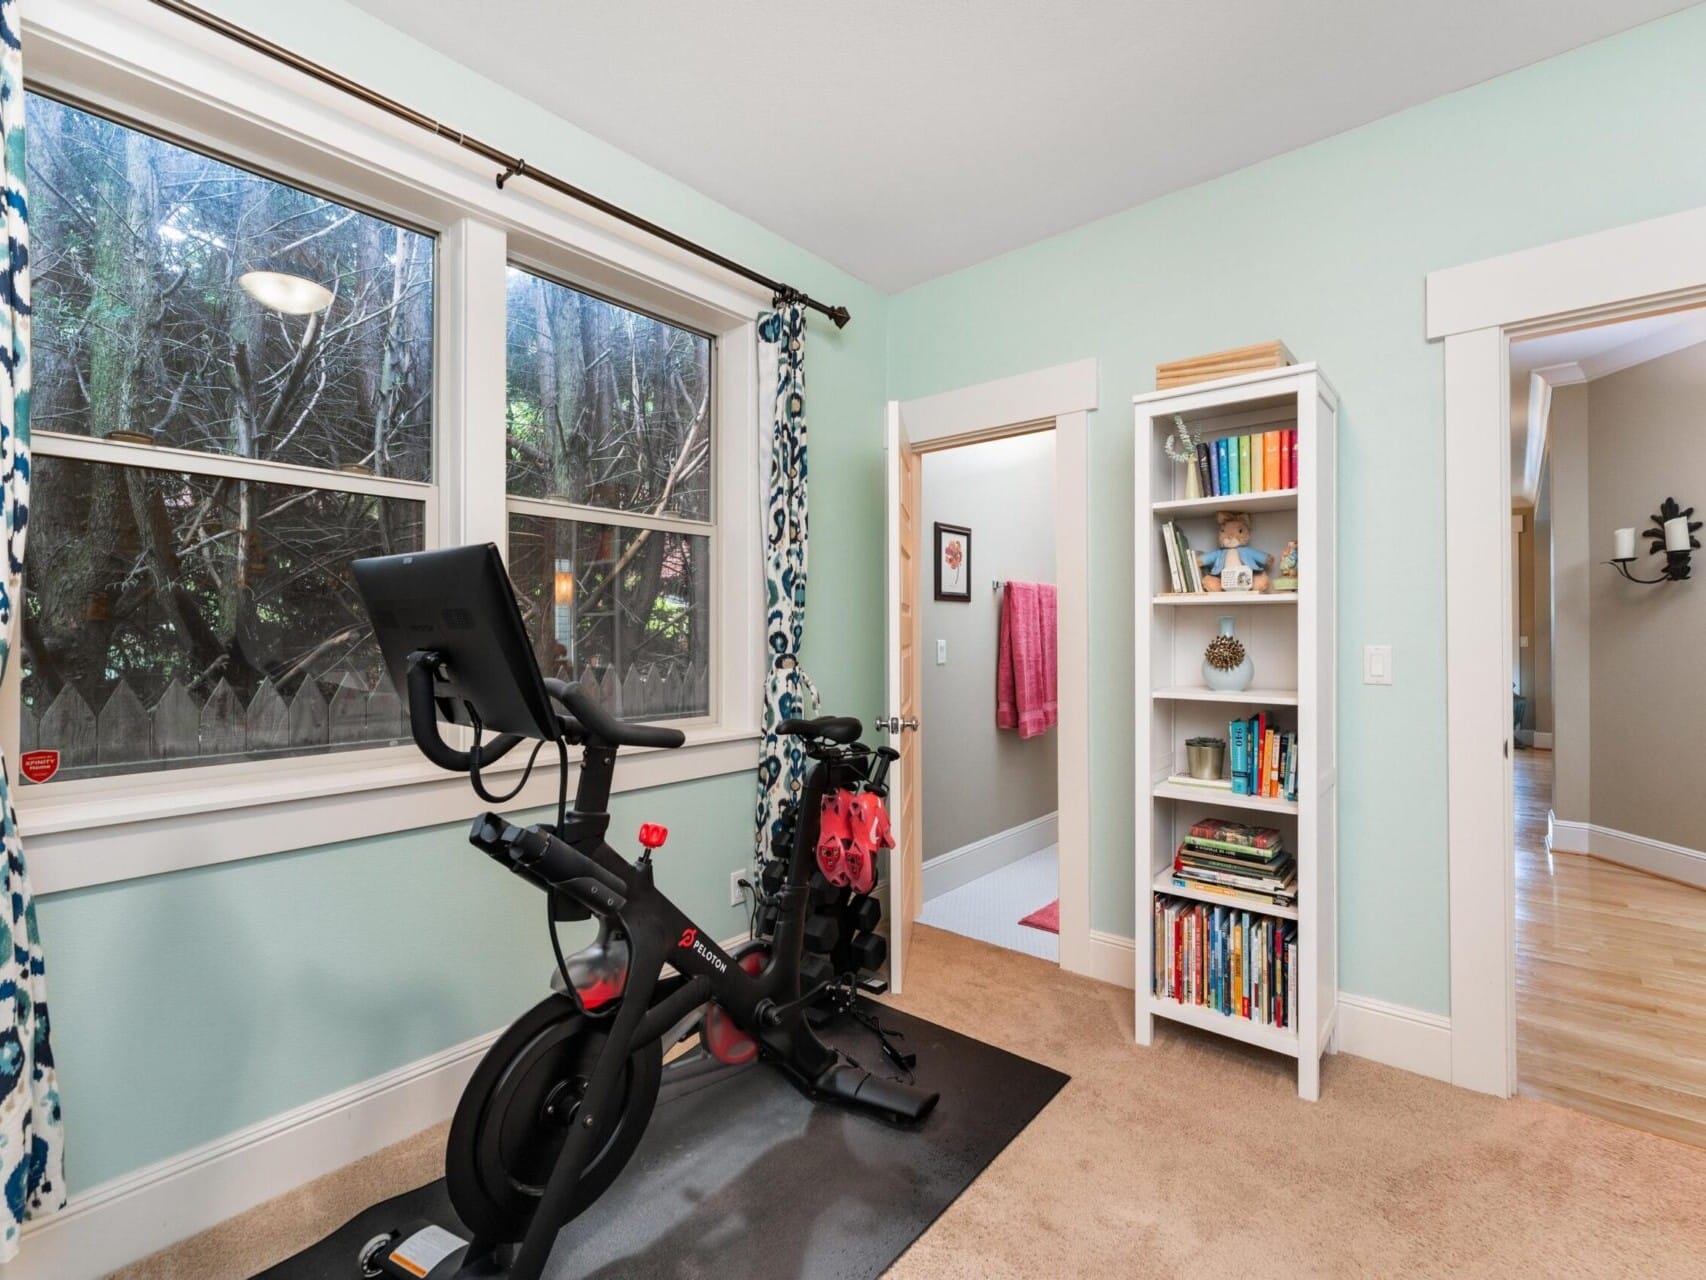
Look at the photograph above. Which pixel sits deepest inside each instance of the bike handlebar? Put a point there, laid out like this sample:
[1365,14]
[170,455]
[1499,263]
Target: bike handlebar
[603,729]
[423,726]
[535,854]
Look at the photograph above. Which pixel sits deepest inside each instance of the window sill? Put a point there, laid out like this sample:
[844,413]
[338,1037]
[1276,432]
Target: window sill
[101,830]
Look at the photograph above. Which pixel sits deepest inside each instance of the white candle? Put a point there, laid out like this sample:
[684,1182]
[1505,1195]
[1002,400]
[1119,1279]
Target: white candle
[1676,534]
[1624,540]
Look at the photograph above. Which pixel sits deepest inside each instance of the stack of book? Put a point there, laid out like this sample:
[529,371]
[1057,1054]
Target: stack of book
[1234,465]
[1262,758]
[1230,859]
[1182,564]
[1236,962]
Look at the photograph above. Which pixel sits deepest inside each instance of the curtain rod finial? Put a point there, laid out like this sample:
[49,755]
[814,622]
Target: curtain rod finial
[841,315]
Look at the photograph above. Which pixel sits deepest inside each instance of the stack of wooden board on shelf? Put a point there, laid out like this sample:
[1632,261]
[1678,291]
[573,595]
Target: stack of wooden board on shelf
[1237,873]
[1222,364]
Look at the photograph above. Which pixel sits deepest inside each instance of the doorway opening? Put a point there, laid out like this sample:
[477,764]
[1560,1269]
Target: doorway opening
[1058,401]
[988,682]
[1610,837]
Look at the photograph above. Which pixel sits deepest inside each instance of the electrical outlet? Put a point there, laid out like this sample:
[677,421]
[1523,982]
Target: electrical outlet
[737,895]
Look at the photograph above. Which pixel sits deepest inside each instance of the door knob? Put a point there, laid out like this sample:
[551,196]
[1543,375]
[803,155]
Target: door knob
[894,724]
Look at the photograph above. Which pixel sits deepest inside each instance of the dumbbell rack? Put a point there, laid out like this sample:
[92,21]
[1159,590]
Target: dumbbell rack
[844,951]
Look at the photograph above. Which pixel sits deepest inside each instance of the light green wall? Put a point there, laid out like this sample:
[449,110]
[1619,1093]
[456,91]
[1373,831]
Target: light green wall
[188,1006]
[1327,248]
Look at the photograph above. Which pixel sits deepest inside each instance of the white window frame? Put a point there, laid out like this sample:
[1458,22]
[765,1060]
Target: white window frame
[144,66]
[710,528]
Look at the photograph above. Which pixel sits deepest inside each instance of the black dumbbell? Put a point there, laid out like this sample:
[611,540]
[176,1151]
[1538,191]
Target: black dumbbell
[815,971]
[773,876]
[869,951]
[823,892]
[823,931]
[866,914]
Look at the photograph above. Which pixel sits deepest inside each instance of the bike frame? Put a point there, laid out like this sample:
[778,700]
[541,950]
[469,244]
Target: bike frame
[660,934]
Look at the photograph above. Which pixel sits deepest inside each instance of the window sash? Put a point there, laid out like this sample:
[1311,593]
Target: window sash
[713,402]
[568,513]
[59,444]
[552,510]
[97,831]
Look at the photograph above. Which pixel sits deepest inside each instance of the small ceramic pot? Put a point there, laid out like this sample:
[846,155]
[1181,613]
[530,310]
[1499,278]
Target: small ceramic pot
[1231,680]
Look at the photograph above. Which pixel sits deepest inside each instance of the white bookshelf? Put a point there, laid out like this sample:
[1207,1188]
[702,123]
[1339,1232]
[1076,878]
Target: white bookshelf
[1291,640]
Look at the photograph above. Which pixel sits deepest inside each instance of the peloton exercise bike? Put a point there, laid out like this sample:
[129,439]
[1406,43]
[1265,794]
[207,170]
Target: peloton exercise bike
[560,1101]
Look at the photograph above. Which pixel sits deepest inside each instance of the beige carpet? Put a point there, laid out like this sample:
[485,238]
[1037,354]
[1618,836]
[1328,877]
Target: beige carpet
[1195,1158]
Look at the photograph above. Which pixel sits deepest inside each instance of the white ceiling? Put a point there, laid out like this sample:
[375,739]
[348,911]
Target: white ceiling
[902,139]
[1581,355]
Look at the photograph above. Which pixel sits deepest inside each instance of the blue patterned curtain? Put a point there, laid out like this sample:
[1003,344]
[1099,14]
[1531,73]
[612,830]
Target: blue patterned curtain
[782,762]
[31,1142]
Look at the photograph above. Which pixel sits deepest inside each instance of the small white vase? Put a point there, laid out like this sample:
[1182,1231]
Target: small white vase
[1238,678]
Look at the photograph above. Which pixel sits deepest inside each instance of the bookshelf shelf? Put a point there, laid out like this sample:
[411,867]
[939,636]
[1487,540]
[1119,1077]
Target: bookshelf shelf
[1225,799]
[1227,599]
[1241,698]
[1271,500]
[1277,1039]
[1243,901]
[1290,638]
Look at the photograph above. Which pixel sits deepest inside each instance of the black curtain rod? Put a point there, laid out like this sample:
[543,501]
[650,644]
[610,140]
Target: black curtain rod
[510,166]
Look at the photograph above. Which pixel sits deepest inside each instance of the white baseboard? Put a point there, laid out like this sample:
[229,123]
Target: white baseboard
[1409,1039]
[132,1216]
[1541,741]
[1113,959]
[1673,861]
[963,865]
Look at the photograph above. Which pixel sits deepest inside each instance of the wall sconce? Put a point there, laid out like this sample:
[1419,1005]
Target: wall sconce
[1672,533]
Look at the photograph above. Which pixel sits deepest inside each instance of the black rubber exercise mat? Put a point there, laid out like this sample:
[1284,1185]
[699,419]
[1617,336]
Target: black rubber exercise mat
[747,1177]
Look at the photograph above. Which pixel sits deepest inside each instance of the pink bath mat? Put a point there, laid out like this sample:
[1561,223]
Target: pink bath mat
[1045,918]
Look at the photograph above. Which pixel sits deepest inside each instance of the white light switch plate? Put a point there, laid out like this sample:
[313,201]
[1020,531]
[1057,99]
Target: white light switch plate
[1377,664]
[941,653]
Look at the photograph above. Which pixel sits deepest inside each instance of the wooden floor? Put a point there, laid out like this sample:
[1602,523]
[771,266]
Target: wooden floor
[1611,980]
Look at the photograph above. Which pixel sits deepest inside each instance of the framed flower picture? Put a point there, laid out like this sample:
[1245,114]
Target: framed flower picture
[953,562]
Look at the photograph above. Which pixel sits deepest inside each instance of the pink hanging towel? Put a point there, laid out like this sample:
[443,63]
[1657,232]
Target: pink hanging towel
[1025,667]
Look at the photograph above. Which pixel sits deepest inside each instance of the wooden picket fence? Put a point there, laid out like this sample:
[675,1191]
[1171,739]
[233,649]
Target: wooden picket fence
[180,728]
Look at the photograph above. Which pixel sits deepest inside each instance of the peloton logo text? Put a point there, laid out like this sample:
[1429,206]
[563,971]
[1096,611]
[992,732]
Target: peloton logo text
[690,942]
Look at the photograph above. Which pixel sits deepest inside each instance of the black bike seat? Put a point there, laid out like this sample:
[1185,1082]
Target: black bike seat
[838,729]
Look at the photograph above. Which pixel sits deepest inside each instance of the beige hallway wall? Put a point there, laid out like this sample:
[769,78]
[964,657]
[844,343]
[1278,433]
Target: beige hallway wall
[979,781]
[1647,441]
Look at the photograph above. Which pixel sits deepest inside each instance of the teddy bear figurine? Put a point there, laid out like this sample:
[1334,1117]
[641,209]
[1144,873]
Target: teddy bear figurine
[1234,565]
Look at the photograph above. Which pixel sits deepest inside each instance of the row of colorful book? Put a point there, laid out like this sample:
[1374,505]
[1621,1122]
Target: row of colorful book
[1231,859]
[1235,962]
[1183,567]
[1262,758]
[1258,463]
